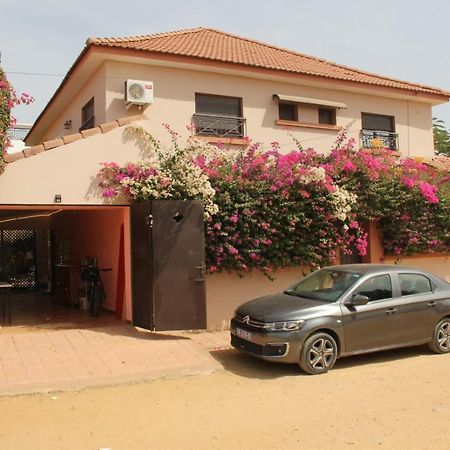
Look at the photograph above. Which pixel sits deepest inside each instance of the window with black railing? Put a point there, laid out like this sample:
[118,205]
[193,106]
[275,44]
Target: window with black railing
[378,131]
[218,116]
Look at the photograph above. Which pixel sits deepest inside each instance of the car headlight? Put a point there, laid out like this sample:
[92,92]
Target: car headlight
[290,325]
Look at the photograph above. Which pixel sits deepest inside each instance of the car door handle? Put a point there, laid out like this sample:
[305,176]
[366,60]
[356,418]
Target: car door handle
[391,311]
[431,304]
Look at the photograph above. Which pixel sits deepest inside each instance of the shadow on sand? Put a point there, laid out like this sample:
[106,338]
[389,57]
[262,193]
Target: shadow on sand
[249,367]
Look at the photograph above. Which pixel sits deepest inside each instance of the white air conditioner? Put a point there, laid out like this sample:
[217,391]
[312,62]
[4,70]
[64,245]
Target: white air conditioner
[138,92]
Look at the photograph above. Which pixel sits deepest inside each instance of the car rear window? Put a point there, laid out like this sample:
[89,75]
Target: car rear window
[414,283]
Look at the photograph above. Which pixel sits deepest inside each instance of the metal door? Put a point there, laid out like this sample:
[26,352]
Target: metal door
[168,254]
[370,326]
[375,325]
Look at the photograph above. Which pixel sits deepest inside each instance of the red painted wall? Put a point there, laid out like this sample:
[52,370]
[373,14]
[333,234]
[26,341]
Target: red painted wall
[94,234]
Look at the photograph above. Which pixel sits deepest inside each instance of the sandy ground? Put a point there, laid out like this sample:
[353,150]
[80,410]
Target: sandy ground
[393,400]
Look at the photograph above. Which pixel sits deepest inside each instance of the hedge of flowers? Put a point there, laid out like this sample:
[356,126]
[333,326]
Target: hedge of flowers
[8,99]
[409,198]
[266,210]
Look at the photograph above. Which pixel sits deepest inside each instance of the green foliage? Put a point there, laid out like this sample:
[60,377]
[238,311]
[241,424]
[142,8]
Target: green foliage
[268,210]
[441,135]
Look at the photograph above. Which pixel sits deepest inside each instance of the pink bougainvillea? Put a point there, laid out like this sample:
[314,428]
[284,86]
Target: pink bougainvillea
[8,99]
[274,209]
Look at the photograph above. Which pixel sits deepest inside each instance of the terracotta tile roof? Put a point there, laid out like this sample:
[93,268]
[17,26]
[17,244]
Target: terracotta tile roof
[214,45]
[68,139]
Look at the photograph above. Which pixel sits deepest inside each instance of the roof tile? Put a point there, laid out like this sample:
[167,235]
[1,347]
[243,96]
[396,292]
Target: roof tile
[11,157]
[72,138]
[90,132]
[31,151]
[52,144]
[108,126]
[214,45]
[68,139]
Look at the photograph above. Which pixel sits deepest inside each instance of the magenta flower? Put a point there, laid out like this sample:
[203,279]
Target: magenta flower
[349,167]
[429,192]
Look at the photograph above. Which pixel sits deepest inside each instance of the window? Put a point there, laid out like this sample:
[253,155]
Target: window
[376,288]
[412,283]
[307,112]
[217,115]
[327,116]
[325,285]
[288,111]
[87,115]
[378,131]
[377,122]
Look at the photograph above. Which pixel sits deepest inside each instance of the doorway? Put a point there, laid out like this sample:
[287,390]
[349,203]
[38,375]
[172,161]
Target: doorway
[41,254]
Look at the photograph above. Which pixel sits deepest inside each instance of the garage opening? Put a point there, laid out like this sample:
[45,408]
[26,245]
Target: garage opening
[43,253]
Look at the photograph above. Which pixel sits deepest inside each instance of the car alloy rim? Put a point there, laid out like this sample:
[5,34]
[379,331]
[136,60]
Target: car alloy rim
[321,354]
[443,336]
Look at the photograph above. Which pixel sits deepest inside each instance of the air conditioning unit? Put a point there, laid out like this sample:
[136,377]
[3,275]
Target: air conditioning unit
[138,92]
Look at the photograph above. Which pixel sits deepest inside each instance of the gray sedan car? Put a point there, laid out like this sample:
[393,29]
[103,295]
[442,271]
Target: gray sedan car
[345,310]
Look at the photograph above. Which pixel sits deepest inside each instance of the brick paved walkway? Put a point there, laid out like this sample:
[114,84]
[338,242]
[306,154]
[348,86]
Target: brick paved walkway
[77,358]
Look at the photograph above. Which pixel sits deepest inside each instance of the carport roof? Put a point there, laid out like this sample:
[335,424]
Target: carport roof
[68,139]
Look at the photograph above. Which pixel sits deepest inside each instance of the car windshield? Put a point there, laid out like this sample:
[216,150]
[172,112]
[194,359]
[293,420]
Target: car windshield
[325,285]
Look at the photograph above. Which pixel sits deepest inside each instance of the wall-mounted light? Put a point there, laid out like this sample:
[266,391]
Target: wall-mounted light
[58,198]
[67,124]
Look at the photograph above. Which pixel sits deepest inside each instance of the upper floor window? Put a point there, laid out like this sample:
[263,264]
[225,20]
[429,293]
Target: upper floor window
[218,115]
[327,116]
[87,115]
[307,112]
[378,131]
[288,111]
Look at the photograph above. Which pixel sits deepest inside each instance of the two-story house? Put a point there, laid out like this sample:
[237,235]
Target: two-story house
[231,88]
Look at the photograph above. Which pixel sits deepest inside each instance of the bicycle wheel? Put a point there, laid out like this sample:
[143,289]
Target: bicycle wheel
[96,301]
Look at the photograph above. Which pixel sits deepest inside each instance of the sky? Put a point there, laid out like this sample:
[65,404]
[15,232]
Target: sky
[409,40]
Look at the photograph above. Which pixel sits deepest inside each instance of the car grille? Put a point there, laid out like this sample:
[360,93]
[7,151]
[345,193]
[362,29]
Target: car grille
[263,350]
[249,322]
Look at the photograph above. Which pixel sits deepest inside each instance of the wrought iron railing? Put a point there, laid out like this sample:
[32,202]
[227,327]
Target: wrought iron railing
[90,123]
[220,126]
[379,139]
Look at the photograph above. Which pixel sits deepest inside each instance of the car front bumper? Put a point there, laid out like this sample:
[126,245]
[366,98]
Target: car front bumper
[278,346]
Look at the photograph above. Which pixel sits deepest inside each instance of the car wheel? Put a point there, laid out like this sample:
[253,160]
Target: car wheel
[319,354]
[440,342]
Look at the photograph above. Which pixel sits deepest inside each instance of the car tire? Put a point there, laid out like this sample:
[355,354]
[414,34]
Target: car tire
[440,342]
[318,354]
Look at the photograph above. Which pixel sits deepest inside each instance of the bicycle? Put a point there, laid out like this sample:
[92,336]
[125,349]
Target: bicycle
[95,290]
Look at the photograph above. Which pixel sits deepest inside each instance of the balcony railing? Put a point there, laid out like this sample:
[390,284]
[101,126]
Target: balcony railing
[220,126]
[379,139]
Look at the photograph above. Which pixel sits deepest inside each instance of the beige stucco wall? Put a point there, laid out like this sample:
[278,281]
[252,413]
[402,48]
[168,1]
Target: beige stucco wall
[174,103]
[68,170]
[93,87]
[226,291]
[439,265]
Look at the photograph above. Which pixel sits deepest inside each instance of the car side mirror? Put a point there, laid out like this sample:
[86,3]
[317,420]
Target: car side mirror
[358,300]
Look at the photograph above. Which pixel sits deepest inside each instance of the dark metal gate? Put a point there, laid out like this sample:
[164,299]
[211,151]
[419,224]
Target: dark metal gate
[18,257]
[168,260]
